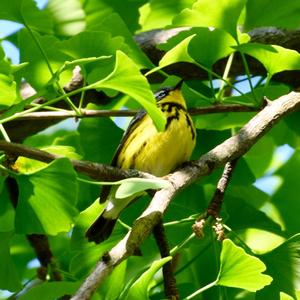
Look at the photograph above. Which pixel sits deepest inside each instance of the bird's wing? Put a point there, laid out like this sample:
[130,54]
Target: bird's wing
[132,125]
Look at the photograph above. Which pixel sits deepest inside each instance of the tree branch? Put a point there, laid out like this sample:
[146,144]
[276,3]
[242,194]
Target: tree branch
[171,291]
[94,170]
[90,113]
[149,41]
[229,150]
[216,202]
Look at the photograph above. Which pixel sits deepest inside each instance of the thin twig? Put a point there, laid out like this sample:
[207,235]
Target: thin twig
[90,113]
[171,290]
[216,202]
[215,205]
[232,148]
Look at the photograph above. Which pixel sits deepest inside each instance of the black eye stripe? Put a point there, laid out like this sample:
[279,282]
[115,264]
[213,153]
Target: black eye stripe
[163,93]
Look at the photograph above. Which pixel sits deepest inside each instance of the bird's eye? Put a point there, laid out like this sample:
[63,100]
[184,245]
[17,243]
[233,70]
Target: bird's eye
[162,93]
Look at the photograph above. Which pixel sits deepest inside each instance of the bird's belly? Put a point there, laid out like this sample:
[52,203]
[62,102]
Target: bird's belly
[159,153]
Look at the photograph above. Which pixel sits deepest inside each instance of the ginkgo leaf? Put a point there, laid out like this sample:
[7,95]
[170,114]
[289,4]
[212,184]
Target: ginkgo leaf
[241,270]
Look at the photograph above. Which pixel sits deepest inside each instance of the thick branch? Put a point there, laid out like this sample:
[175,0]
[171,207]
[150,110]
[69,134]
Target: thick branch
[149,41]
[229,150]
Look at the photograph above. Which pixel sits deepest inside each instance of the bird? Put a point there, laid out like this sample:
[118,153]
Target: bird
[145,149]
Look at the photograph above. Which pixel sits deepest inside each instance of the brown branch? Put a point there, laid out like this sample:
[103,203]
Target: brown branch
[218,197]
[41,246]
[94,170]
[290,39]
[216,202]
[229,150]
[171,290]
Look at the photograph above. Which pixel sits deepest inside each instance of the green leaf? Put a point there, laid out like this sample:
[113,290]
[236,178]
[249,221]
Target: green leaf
[274,58]
[8,85]
[7,212]
[222,121]
[127,79]
[157,14]
[99,147]
[66,24]
[26,165]
[139,289]
[27,13]
[219,14]
[283,265]
[47,199]
[242,215]
[241,270]
[207,39]
[8,94]
[131,186]
[178,54]
[82,263]
[9,278]
[50,290]
[116,26]
[113,286]
[91,44]
[185,47]
[97,10]
[260,156]
[286,14]
[37,73]
[285,198]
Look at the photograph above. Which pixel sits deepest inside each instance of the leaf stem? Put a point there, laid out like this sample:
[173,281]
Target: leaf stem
[182,244]
[208,286]
[4,133]
[225,76]
[247,70]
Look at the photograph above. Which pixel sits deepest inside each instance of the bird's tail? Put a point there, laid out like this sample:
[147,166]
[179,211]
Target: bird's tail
[101,229]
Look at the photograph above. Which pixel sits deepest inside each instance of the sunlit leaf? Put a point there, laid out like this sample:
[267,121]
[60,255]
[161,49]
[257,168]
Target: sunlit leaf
[96,11]
[127,79]
[8,94]
[285,198]
[283,265]
[222,14]
[158,14]
[38,72]
[113,286]
[139,289]
[66,24]
[27,13]
[116,26]
[47,199]
[206,40]
[286,14]
[274,58]
[133,186]
[241,270]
